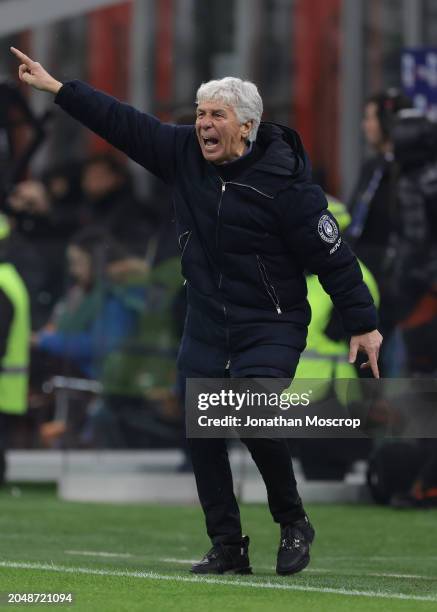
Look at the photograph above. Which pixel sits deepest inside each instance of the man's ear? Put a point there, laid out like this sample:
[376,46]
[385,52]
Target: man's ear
[247,126]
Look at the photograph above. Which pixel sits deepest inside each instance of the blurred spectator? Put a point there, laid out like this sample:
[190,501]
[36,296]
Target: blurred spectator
[373,205]
[414,276]
[409,265]
[45,215]
[62,184]
[413,242]
[139,408]
[14,344]
[109,201]
[48,207]
[97,312]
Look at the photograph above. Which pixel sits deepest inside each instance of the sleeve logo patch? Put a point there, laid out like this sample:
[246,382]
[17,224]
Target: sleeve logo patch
[328,231]
[335,247]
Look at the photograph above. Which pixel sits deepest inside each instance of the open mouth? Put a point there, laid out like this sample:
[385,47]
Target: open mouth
[210,143]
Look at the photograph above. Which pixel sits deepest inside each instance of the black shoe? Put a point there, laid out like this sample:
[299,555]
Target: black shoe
[294,547]
[225,559]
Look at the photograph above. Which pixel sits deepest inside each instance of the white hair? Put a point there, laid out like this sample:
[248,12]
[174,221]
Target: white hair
[242,96]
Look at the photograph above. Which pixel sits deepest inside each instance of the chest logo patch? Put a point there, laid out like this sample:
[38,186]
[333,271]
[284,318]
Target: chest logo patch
[328,230]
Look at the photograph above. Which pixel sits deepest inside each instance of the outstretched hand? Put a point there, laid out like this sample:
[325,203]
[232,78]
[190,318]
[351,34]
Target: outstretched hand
[34,74]
[370,344]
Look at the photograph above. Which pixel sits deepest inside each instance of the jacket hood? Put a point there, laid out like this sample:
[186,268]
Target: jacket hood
[283,160]
[284,152]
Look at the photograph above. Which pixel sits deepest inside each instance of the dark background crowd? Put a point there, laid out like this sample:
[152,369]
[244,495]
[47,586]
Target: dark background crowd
[102,271]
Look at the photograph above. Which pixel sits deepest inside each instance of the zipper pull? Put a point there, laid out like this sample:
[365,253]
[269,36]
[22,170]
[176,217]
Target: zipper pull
[223,187]
[278,309]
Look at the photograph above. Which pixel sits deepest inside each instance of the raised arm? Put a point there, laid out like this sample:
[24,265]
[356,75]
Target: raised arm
[141,136]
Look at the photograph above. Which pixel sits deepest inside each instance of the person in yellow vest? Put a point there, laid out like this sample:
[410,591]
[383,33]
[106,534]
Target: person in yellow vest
[326,357]
[14,344]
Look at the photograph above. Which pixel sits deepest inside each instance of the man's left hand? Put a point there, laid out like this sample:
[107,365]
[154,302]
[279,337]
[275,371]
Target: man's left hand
[370,344]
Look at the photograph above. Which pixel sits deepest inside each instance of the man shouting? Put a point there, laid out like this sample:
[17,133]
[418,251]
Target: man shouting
[250,221]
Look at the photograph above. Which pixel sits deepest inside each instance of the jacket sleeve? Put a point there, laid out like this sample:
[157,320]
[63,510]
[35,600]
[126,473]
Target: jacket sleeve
[141,136]
[312,235]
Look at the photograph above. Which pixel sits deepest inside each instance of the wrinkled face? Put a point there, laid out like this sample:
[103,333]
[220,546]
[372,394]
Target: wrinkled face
[79,266]
[372,126]
[221,136]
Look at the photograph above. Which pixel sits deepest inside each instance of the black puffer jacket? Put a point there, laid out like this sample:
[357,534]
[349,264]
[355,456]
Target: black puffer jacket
[244,242]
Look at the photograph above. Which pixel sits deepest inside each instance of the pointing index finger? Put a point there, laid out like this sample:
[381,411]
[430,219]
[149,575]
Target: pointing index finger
[22,56]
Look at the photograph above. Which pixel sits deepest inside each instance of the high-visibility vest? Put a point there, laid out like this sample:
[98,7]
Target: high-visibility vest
[340,212]
[14,372]
[323,358]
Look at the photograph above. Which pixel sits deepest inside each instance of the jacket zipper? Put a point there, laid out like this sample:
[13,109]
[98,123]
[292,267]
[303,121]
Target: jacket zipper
[266,195]
[186,241]
[184,247]
[219,207]
[268,285]
[225,314]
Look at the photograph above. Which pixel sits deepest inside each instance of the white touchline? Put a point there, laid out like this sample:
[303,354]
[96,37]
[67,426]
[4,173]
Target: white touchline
[96,553]
[313,570]
[403,576]
[259,567]
[208,580]
[173,560]
[366,559]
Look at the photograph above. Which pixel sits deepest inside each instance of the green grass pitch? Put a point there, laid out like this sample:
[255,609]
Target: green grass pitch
[136,557]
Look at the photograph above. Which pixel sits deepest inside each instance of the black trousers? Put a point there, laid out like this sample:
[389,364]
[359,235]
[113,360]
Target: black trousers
[215,484]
